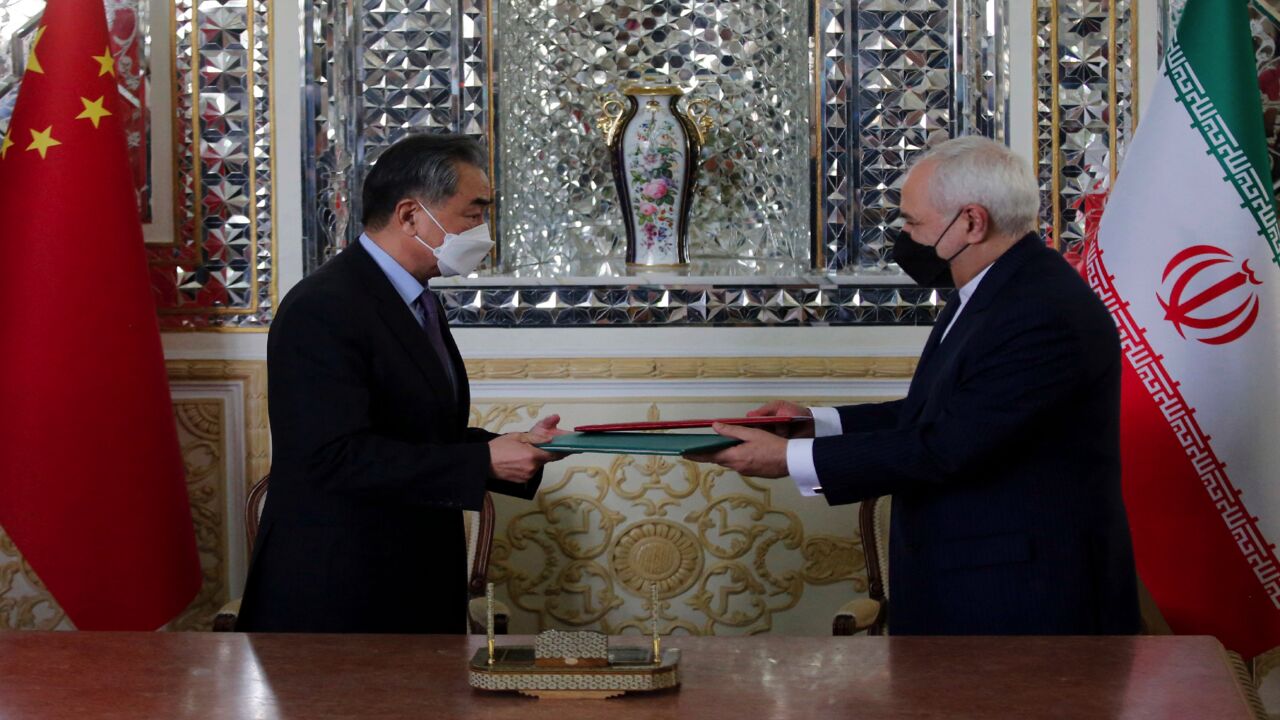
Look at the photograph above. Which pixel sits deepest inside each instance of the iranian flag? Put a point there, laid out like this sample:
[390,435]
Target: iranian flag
[1186,262]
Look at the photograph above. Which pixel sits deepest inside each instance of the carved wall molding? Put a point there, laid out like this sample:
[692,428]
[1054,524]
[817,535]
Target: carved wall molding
[728,554]
[216,503]
[202,437]
[25,603]
[252,374]
[669,368]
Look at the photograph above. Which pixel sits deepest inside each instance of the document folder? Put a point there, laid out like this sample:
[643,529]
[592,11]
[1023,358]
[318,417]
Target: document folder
[620,443]
[686,424]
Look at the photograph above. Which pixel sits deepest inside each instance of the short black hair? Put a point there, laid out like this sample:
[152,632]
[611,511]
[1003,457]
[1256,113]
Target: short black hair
[422,165]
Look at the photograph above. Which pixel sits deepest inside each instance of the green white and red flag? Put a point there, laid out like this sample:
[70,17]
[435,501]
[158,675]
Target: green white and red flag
[1186,261]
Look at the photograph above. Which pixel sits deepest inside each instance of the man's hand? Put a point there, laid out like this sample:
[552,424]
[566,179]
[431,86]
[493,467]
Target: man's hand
[761,453]
[545,429]
[513,457]
[783,408]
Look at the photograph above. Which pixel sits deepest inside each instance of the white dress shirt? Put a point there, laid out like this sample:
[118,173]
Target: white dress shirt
[826,420]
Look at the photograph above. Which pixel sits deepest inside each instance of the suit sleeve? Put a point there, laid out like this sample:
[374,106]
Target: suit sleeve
[868,416]
[1026,370]
[525,491]
[320,407]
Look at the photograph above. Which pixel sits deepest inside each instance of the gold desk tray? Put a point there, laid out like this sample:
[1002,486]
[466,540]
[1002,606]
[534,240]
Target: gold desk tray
[630,669]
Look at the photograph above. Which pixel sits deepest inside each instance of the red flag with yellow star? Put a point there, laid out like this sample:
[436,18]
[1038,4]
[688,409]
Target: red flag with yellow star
[92,487]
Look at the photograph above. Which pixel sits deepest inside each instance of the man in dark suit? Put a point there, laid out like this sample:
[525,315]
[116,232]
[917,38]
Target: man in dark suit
[1003,460]
[373,461]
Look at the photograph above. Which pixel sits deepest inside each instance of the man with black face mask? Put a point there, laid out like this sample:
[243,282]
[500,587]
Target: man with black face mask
[1003,460]
[921,262]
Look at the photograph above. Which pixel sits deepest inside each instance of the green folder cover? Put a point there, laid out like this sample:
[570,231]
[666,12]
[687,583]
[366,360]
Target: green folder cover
[638,443]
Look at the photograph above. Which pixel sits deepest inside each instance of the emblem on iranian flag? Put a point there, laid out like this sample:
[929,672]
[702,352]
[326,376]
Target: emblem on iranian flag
[1207,294]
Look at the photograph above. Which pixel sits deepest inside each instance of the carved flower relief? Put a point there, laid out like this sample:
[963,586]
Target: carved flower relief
[25,603]
[658,552]
[829,559]
[721,554]
[203,445]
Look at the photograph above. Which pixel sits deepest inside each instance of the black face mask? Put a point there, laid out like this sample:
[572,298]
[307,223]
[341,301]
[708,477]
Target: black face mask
[921,262]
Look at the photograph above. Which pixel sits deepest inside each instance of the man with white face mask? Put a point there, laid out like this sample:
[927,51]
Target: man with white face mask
[372,457]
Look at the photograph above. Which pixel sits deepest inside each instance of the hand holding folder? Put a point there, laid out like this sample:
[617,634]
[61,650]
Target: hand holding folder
[757,453]
[630,439]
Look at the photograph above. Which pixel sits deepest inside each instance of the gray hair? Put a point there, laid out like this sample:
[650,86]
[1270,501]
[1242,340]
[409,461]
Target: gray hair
[422,166]
[974,170]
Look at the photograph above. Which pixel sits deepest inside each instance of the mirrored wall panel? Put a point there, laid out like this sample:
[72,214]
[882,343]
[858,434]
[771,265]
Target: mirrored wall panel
[1086,81]
[811,112]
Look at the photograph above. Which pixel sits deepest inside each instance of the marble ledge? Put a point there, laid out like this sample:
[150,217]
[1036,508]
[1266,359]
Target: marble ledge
[670,280]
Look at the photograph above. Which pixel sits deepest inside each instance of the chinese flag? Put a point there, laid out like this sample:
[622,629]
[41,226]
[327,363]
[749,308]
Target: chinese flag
[91,478]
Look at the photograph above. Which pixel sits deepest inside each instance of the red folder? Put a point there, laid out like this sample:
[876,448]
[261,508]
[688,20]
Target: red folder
[682,424]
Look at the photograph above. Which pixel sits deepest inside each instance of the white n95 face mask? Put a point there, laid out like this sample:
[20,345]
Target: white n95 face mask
[460,253]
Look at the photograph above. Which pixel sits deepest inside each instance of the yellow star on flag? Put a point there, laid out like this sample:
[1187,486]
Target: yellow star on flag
[33,62]
[93,110]
[42,141]
[4,147]
[106,63]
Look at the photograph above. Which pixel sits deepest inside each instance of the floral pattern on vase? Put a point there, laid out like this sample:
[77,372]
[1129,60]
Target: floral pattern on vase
[654,147]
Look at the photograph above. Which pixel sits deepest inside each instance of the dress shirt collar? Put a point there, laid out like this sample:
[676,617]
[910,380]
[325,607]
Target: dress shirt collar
[406,285]
[966,290]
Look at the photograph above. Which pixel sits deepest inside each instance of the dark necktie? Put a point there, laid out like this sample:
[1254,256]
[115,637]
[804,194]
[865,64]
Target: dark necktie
[429,306]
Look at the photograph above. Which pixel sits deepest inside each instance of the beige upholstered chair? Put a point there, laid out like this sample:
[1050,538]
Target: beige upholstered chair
[870,613]
[479,530]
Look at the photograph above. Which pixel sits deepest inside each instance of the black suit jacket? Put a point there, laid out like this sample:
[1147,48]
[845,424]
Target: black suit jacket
[372,464]
[1003,462]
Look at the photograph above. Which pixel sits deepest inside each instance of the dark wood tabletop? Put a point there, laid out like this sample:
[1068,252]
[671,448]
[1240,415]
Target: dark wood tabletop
[231,675]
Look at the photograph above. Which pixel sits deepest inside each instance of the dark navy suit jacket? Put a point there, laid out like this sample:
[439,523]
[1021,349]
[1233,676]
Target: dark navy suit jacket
[372,464]
[1003,462]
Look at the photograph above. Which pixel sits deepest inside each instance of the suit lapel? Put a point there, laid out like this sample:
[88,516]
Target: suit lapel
[401,321]
[1004,268]
[940,327]
[921,379]
[922,382]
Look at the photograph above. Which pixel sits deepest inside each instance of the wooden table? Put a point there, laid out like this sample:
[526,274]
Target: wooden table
[231,675]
